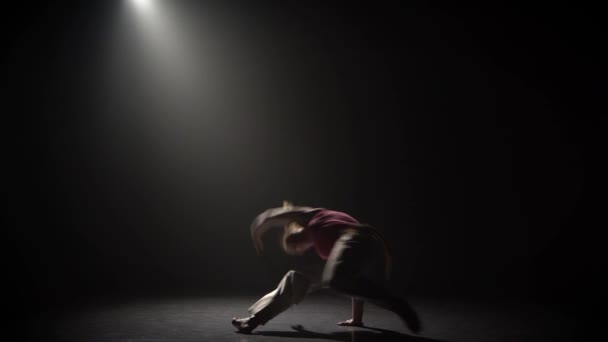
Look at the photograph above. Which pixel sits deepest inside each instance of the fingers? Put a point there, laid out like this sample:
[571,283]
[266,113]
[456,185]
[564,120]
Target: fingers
[350,323]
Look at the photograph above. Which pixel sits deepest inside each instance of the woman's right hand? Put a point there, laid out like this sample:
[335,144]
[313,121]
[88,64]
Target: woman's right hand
[351,323]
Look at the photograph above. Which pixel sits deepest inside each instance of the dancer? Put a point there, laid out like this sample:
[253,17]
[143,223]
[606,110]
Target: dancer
[357,263]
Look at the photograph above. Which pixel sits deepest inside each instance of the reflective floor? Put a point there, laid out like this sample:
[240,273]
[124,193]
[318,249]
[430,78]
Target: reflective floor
[208,319]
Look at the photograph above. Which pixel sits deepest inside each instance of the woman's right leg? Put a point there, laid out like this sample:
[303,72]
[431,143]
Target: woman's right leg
[291,290]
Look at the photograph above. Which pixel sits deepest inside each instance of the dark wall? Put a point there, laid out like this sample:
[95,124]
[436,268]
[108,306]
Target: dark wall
[471,137]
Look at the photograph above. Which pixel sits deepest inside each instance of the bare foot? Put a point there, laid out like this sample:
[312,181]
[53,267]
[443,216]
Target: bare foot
[351,323]
[245,325]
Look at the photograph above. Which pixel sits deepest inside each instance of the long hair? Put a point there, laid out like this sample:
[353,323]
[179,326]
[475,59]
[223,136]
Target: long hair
[289,229]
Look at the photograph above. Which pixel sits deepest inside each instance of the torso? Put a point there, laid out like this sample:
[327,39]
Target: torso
[325,228]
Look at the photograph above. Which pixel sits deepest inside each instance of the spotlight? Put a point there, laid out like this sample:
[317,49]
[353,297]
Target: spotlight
[141,4]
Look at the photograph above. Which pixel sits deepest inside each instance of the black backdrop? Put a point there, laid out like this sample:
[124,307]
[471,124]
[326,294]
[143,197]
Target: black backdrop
[471,137]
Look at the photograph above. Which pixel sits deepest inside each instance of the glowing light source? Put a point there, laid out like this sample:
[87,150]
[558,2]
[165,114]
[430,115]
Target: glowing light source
[142,4]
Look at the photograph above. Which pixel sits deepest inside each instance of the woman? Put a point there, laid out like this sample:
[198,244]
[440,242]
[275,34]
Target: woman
[357,264]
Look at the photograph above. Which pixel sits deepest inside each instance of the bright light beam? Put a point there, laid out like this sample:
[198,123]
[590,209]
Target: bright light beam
[142,5]
[166,46]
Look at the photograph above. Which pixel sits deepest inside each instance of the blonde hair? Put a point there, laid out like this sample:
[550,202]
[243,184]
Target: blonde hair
[289,229]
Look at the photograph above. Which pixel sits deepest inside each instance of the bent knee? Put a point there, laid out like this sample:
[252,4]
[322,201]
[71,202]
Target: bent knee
[294,277]
[294,285]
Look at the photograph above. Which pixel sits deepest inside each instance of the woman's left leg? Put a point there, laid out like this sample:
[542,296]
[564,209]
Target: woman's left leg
[353,254]
[355,267]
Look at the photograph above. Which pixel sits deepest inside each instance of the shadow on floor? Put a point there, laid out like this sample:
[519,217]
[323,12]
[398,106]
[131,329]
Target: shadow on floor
[372,334]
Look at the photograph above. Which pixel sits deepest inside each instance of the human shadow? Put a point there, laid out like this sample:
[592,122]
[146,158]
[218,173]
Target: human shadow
[371,334]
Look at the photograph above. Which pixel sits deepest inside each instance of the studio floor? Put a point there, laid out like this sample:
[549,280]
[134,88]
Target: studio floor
[208,319]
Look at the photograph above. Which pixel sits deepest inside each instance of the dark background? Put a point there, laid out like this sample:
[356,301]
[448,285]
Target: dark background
[473,137]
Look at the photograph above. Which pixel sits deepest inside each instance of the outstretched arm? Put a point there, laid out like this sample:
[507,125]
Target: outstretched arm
[357,319]
[277,217]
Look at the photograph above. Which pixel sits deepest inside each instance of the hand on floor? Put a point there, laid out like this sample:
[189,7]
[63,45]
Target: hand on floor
[351,323]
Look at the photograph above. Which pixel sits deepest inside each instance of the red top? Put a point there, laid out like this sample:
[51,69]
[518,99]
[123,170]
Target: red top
[325,227]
